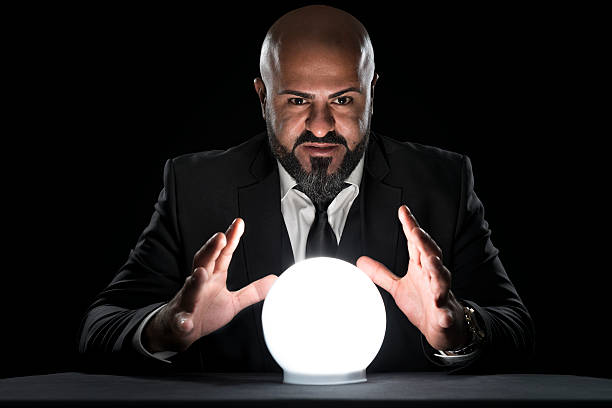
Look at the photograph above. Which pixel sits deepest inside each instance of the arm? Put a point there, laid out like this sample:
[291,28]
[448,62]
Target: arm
[480,281]
[433,298]
[193,300]
[152,275]
[137,340]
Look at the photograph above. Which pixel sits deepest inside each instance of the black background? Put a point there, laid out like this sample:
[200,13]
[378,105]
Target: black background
[98,97]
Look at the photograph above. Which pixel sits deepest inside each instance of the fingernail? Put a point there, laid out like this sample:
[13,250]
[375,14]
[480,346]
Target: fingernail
[408,209]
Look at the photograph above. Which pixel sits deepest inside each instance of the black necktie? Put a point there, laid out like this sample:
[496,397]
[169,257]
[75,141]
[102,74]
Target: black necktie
[321,238]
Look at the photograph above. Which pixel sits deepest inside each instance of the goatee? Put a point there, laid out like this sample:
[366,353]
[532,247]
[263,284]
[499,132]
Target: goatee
[319,186]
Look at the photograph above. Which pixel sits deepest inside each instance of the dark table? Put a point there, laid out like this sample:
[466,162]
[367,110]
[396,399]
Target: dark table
[388,390]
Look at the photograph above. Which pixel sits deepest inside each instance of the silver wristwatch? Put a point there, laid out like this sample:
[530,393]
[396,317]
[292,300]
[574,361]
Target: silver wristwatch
[478,335]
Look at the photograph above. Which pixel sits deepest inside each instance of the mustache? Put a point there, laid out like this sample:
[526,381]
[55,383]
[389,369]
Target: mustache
[331,137]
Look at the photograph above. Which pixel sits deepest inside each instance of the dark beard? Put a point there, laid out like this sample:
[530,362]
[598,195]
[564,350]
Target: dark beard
[320,187]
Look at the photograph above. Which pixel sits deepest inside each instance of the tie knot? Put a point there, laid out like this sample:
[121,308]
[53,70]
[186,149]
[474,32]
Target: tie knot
[321,206]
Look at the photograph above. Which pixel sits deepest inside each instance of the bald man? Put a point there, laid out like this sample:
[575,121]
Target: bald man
[317,182]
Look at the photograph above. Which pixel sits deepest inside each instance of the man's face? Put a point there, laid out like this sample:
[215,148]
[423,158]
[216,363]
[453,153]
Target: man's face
[317,108]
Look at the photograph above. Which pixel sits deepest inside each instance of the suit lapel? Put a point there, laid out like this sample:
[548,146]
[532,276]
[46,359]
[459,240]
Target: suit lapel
[380,202]
[259,206]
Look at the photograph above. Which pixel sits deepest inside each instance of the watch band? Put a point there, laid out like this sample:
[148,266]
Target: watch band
[477,333]
[472,323]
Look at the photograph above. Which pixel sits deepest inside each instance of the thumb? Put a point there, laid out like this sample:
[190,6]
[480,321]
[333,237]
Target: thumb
[253,292]
[379,273]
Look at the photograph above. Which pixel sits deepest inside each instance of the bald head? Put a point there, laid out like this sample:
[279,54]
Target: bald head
[317,33]
[316,92]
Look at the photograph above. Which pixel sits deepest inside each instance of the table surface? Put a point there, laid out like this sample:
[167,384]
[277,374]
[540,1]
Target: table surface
[252,389]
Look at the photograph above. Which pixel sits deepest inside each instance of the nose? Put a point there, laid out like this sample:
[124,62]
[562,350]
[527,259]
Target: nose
[320,120]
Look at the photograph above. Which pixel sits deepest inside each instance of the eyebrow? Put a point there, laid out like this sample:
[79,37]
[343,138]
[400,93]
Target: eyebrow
[311,96]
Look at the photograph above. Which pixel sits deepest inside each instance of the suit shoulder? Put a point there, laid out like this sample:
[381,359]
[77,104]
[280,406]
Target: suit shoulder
[415,150]
[426,162]
[231,162]
[231,155]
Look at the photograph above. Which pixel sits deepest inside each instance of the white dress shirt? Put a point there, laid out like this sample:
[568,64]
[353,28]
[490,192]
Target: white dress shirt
[298,214]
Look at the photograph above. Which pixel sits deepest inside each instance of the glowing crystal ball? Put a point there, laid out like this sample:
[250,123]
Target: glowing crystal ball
[323,322]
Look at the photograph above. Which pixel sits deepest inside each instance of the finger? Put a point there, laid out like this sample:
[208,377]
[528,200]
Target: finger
[253,292]
[190,293]
[417,235]
[440,280]
[379,274]
[407,216]
[208,254]
[408,224]
[425,243]
[414,253]
[233,234]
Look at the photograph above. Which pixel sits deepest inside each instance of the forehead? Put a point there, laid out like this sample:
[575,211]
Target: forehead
[317,65]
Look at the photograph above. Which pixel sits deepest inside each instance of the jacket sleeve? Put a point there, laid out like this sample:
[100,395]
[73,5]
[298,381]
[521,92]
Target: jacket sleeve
[479,280]
[152,275]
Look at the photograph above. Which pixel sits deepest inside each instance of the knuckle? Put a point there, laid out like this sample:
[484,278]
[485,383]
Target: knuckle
[199,275]
[421,232]
[445,278]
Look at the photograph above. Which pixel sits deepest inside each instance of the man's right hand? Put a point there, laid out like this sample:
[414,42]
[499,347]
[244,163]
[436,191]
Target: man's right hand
[204,304]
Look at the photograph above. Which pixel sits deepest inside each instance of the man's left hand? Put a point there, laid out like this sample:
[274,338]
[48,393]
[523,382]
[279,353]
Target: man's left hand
[423,294]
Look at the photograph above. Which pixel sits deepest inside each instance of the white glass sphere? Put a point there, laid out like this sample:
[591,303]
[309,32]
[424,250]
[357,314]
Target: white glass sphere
[323,322]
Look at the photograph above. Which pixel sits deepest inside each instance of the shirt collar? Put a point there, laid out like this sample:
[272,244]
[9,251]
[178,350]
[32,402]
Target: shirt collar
[287,182]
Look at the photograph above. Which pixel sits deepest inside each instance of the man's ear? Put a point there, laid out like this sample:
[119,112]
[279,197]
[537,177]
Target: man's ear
[372,92]
[260,88]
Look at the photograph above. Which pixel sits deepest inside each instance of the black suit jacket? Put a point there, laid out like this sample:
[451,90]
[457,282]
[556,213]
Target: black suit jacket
[204,192]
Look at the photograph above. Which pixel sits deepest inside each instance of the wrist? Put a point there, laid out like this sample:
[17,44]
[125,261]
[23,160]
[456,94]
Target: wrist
[150,336]
[157,335]
[473,334]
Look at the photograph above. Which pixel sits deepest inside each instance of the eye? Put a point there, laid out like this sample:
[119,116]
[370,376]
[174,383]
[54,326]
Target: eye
[343,100]
[297,101]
